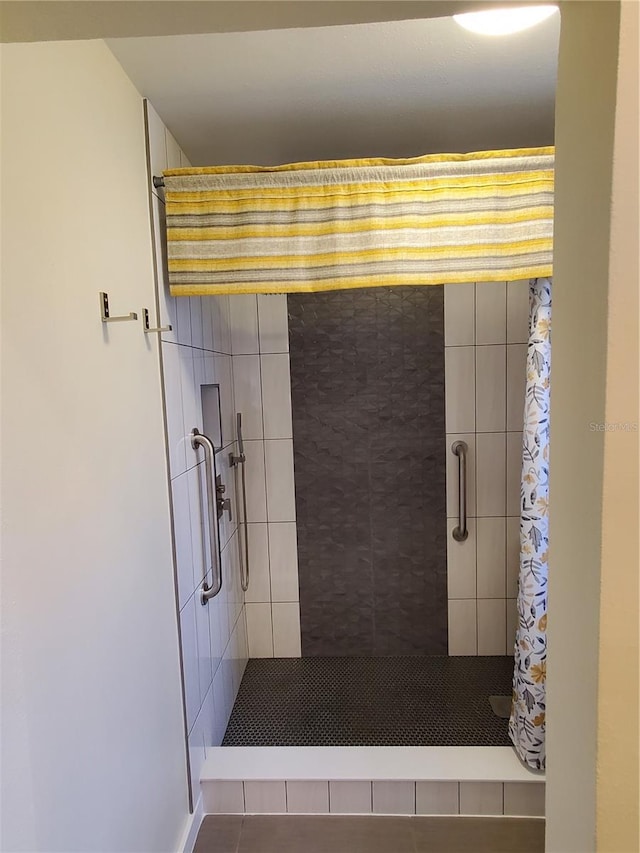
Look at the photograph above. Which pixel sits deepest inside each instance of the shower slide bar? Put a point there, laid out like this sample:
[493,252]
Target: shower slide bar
[459,449]
[239,462]
[215,506]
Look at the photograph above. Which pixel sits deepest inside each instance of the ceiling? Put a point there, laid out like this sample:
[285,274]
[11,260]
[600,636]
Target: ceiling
[395,89]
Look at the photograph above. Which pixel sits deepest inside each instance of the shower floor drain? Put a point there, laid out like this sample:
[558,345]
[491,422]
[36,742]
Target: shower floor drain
[388,701]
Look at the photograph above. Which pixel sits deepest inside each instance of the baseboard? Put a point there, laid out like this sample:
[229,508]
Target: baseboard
[188,841]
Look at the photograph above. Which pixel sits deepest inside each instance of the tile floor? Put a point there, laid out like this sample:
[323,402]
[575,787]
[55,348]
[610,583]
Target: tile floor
[386,701]
[327,834]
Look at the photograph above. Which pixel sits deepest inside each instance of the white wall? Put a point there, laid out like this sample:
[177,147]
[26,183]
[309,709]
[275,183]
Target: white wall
[197,352]
[585,116]
[93,749]
[617,794]
[485,333]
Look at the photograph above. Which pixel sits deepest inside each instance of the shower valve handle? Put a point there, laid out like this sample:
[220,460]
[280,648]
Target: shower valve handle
[224,504]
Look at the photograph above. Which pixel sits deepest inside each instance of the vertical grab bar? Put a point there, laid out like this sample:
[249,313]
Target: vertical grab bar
[235,462]
[199,440]
[459,449]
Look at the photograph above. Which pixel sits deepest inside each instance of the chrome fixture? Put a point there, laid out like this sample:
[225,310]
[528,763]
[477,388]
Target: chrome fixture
[106,317]
[459,449]
[146,327]
[238,462]
[214,510]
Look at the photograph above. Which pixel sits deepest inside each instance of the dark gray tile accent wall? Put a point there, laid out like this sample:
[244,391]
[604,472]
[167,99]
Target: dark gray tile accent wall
[367,387]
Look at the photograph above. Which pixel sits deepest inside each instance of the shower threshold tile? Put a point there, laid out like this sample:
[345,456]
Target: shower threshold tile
[381,701]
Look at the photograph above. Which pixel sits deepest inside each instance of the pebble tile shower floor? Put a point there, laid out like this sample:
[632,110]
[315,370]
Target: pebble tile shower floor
[368,701]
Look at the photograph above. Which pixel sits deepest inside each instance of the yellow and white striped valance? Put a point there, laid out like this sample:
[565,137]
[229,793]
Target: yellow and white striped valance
[334,225]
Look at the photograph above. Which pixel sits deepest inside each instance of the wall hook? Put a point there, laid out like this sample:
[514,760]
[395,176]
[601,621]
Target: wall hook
[145,324]
[104,311]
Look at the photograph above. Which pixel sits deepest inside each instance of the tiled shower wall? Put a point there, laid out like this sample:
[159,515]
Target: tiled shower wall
[197,352]
[486,330]
[260,346]
[367,383]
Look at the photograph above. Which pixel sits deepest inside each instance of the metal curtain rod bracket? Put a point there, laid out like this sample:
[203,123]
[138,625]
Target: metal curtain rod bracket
[158,182]
[104,311]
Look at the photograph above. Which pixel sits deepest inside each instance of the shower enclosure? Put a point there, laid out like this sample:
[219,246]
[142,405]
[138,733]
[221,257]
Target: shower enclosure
[365,620]
[406,624]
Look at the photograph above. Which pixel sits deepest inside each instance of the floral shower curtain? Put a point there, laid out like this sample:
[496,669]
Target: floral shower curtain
[528,709]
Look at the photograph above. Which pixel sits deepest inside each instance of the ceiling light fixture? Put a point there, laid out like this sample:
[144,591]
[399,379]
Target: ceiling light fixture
[501,22]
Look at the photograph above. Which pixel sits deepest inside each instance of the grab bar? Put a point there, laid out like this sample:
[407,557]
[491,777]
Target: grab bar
[459,449]
[236,462]
[199,440]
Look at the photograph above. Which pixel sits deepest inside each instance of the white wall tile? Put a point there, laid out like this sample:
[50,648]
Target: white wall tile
[182,327]
[513,556]
[222,708]
[195,313]
[524,799]
[491,388]
[518,311]
[286,629]
[207,712]
[256,485]
[350,797]
[223,376]
[461,561]
[191,405]
[276,396]
[394,798]
[459,314]
[460,384]
[278,458]
[223,798]
[462,627]
[514,472]
[259,630]
[265,797]
[516,378]
[437,798]
[491,312]
[174,413]
[452,464]
[227,474]
[308,797]
[182,538]
[198,522]
[196,757]
[189,641]
[490,473]
[221,323]
[491,548]
[512,623]
[259,584]
[273,323]
[205,673]
[207,322]
[492,628]
[248,394]
[481,798]
[217,612]
[243,315]
[235,595]
[283,561]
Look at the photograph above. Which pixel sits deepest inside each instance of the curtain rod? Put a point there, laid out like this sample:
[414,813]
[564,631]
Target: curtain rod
[158,182]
